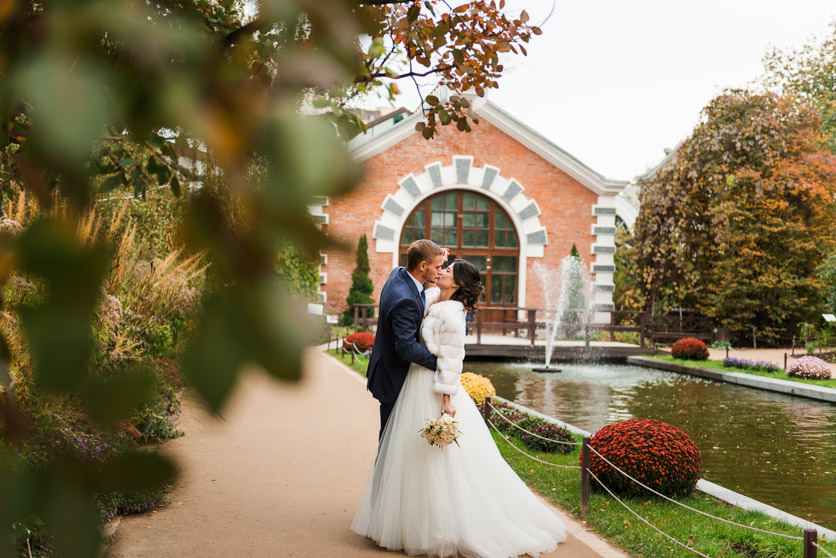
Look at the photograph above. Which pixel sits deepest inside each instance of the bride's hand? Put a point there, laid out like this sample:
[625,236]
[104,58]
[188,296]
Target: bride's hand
[447,406]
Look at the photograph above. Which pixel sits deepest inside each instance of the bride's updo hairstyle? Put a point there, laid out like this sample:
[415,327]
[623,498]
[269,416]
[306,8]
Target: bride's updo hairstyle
[470,290]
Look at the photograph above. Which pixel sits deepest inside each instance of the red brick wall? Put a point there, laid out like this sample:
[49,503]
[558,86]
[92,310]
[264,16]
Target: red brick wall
[565,204]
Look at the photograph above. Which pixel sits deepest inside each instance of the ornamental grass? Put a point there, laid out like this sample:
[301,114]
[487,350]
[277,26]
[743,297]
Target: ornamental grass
[810,367]
[651,451]
[689,349]
[477,387]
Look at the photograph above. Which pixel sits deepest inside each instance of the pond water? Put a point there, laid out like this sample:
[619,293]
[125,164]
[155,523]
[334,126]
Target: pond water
[777,449]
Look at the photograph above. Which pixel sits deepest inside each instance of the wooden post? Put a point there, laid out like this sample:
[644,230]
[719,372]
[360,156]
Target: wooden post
[338,345]
[793,346]
[585,459]
[356,316]
[754,338]
[785,361]
[486,410]
[352,355]
[727,351]
[365,318]
[810,538]
[478,327]
[532,325]
[642,328]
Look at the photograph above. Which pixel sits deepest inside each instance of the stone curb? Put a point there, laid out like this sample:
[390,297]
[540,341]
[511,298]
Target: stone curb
[721,493]
[775,385]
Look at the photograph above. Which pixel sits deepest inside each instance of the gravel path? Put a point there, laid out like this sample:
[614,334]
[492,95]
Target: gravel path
[280,475]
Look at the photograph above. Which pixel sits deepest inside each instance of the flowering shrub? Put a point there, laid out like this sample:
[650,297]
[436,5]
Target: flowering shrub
[757,365]
[651,451]
[363,341]
[477,387]
[689,349]
[809,367]
[537,425]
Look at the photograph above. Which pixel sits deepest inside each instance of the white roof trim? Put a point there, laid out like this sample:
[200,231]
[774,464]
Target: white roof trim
[365,146]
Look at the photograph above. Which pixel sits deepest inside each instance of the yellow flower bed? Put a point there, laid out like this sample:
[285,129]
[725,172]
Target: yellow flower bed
[478,387]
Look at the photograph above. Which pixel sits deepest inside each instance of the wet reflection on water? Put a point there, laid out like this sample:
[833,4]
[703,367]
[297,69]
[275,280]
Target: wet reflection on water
[771,447]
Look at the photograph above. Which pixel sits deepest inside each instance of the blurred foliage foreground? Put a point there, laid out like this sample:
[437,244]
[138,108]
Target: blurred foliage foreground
[112,97]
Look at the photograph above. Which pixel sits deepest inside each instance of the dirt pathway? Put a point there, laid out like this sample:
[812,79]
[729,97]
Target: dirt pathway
[279,476]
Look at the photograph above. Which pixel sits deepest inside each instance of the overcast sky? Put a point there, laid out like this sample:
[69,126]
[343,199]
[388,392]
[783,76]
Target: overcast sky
[615,82]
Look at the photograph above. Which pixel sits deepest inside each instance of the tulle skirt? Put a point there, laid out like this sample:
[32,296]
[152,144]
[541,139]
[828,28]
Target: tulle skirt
[460,500]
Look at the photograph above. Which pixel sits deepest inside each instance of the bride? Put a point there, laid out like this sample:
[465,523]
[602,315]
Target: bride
[458,500]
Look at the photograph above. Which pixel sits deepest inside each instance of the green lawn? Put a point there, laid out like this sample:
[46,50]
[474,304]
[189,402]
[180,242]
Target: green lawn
[359,365]
[718,365]
[618,526]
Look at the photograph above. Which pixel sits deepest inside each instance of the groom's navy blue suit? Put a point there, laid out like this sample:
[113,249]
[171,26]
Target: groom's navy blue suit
[396,343]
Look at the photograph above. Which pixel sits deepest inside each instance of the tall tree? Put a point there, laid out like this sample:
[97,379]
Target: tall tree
[361,284]
[737,221]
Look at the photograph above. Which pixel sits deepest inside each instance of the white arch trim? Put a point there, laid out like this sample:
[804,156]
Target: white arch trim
[508,193]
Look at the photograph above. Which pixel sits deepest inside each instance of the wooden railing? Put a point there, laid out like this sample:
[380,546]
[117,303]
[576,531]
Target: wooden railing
[509,321]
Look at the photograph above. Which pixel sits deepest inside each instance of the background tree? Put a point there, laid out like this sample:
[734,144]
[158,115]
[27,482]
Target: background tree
[738,221]
[361,284]
[103,96]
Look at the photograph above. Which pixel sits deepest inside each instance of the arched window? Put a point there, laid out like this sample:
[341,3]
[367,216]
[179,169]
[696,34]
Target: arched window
[474,228]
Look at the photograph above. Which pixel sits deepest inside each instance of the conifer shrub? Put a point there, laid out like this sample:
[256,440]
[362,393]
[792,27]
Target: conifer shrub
[689,349]
[810,367]
[362,287]
[651,451]
[361,341]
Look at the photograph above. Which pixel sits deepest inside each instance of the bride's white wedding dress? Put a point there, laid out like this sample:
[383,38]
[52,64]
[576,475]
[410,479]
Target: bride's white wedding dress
[460,500]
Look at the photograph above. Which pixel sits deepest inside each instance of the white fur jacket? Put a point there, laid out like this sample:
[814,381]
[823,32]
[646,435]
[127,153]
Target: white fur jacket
[443,332]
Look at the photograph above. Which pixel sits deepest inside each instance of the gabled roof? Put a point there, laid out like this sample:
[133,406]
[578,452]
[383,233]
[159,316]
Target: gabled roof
[382,136]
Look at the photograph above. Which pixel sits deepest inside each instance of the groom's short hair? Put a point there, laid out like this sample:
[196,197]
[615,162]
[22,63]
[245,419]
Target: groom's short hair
[421,251]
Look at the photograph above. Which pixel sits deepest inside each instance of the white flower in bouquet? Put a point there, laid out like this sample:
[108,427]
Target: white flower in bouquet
[441,431]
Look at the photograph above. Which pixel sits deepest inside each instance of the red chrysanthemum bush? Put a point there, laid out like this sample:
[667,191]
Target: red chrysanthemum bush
[651,451]
[363,341]
[689,349]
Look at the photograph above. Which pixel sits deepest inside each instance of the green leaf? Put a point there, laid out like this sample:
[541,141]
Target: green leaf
[137,471]
[432,100]
[112,182]
[127,162]
[444,116]
[175,186]
[118,396]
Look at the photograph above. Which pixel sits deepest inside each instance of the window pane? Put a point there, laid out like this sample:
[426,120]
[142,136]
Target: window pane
[438,203]
[450,238]
[481,202]
[468,239]
[510,293]
[402,260]
[418,219]
[505,264]
[482,220]
[469,220]
[469,201]
[449,219]
[499,239]
[496,289]
[482,239]
[512,239]
[451,200]
[436,236]
[480,262]
[437,219]
[499,220]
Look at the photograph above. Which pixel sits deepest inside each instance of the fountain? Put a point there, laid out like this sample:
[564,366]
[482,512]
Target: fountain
[566,294]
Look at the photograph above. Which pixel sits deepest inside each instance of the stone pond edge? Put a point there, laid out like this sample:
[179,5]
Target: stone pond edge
[710,488]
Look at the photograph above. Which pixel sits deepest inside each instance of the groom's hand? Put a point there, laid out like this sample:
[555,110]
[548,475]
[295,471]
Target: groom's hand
[447,406]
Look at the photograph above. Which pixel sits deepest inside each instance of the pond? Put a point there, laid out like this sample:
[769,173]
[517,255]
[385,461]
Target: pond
[777,449]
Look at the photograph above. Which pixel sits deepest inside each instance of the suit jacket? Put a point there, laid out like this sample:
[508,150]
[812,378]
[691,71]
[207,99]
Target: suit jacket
[396,342]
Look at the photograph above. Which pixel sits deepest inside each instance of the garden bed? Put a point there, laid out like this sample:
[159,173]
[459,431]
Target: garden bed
[618,526]
[718,365]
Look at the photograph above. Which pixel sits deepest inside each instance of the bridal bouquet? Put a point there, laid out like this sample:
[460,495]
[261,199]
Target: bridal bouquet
[441,431]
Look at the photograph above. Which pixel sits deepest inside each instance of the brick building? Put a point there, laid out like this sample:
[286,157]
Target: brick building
[502,196]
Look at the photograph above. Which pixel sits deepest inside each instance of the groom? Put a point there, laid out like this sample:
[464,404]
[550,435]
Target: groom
[399,320]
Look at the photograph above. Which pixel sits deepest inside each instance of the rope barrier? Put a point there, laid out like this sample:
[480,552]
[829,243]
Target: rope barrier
[683,545]
[608,462]
[357,353]
[528,454]
[823,550]
[506,419]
